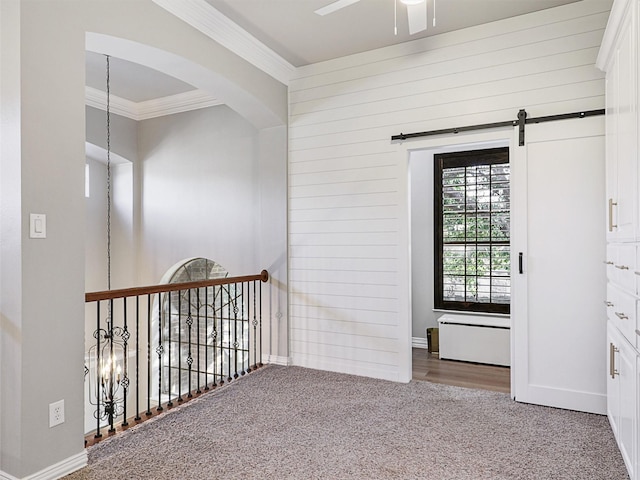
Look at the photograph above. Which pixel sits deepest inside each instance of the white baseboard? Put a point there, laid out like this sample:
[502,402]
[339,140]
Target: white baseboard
[589,402]
[53,472]
[6,476]
[351,367]
[419,342]
[277,360]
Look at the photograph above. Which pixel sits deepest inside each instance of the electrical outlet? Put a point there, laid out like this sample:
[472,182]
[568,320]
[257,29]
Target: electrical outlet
[56,413]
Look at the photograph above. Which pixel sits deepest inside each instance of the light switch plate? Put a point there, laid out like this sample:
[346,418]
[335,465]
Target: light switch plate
[37,225]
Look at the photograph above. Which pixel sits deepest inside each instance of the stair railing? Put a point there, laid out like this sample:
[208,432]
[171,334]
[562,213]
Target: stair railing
[156,347]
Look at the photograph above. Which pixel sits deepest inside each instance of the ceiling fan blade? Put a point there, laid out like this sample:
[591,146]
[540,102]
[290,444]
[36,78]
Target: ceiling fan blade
[335,6]
[417,16]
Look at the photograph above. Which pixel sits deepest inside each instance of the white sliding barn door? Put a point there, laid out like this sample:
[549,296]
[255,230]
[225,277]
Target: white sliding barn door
[558,314]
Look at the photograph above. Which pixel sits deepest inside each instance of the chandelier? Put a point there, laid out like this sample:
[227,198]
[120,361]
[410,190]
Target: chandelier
[108,381]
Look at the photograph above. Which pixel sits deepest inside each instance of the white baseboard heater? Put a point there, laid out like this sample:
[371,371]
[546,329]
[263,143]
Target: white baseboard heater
[475,338]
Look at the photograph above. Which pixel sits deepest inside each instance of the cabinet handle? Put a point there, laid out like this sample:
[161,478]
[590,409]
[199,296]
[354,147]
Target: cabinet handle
[611,204]
[637,332]
[637,272]
[621,267]
[621,316]
[612,360]
[608,303]
[608,262]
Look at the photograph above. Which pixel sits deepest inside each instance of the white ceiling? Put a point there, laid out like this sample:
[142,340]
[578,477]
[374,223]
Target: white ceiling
[131,81]
[292,30]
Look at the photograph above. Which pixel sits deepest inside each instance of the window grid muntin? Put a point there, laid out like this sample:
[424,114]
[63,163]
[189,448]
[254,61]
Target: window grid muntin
[483,199]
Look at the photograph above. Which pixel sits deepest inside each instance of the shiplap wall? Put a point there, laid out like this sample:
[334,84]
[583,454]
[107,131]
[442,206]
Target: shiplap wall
[348,196]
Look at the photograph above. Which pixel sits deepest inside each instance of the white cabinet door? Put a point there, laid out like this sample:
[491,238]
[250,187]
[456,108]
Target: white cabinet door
[636,469]
[613,383]
[621,396]
[612,149]
[626,366]
[623,215]
[627,150]
[558,313]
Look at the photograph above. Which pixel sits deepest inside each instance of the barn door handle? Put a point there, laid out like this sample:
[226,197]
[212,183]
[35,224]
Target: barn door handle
[520,269]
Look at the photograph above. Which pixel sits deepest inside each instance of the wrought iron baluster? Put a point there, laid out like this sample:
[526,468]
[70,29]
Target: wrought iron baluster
[170,402]
[214,336]
[99,385]
[149,316]
[221,347]
[242,349]
[189,357]
[137,358]
[180,399]
[159,352]
[125,379]
[260,320]
[110,405]
[235,329]
[198,341]
[206,339]
[249,336]
[255,329]
[229,297]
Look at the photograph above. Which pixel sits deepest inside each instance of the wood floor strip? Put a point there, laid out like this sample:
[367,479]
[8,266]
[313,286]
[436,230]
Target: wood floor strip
[430,368]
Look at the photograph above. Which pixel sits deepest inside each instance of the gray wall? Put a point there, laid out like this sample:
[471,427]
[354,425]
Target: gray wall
[199,173]
[213,186]
[124,148]
[272,239]
[45,338]
[42,171]
[124,133]
[421,179]
[11,219]
[96,228]
[205,183]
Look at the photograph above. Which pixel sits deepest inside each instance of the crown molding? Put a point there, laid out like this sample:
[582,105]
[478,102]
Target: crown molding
[612,32]
[158,107]
[181,102]
[120,106]
[203,17]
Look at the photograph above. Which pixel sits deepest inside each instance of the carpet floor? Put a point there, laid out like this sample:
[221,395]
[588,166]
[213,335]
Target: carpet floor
[296,423]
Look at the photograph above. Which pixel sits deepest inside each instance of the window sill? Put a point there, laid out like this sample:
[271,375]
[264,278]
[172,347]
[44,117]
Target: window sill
[482,314]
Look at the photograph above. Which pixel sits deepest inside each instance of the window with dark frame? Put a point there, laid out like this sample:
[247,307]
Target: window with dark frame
[472,236]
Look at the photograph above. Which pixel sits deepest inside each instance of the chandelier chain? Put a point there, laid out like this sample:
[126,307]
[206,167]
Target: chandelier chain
[108,176]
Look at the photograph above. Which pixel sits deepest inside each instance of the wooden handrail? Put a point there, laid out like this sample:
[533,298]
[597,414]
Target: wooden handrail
[171,287]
